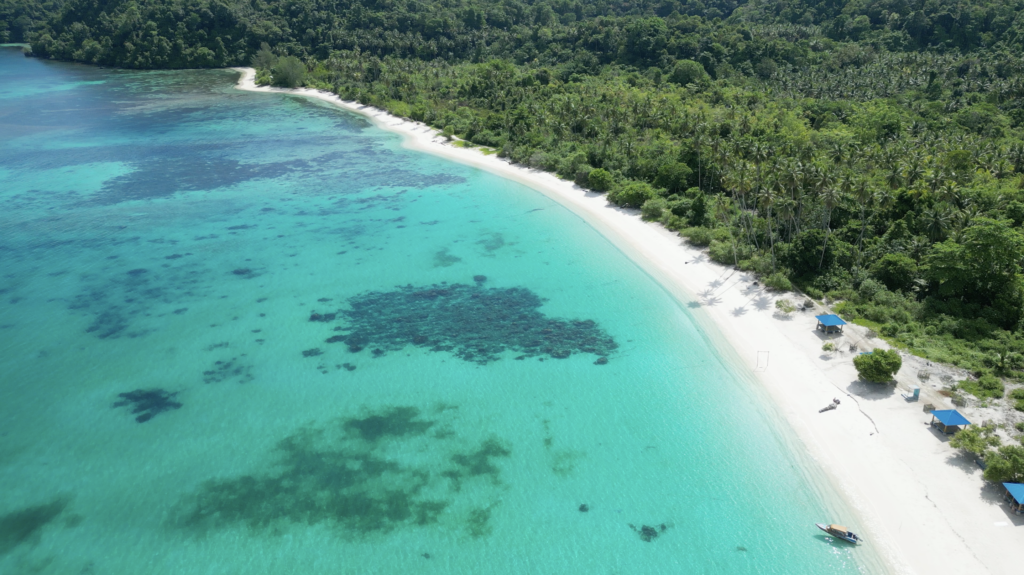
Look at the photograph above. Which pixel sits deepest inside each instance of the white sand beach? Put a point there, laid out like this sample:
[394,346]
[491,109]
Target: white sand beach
[922,506]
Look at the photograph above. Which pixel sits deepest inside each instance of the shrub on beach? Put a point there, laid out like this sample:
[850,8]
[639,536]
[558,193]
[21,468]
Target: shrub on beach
[1018,396]
[987,385]
[697,236]
[653,209]
[1005,465]
[778,282]
[630,194]
[599,180]
[975,439]
[289,72]
[879,366]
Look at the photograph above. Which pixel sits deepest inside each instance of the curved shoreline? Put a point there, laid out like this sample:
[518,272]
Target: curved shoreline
[921,512]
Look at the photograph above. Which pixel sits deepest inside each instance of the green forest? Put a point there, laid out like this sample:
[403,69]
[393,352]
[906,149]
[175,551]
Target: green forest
[870,152]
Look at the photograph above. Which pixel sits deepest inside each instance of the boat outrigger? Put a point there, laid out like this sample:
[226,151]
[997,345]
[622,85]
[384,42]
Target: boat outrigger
[840,532]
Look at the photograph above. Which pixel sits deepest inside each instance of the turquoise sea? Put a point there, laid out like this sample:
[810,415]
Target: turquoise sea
[250,333]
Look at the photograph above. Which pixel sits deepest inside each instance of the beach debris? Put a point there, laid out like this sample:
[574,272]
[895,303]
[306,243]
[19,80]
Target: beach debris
[474,323]
[148,402]
[584,508]
[830,407]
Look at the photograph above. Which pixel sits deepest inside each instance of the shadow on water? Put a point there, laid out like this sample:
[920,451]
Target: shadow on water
[349,475]
[833,542]
[26,525]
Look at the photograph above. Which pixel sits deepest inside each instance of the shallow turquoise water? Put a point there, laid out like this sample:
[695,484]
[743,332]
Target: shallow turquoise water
[162,231]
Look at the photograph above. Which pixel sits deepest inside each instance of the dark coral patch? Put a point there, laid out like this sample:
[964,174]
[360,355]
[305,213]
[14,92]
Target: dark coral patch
[147,403]
[473,322]
[24,525]
[346,477]
[230,369]
[396,422]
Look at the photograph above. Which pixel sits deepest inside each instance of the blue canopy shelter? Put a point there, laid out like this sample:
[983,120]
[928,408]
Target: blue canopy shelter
[1015,495]
[949,420]
[830,323]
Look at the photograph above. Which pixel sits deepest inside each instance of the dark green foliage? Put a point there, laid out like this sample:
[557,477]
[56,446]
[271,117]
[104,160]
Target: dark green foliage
[288,72]
[631,194]
[1005,464]
[896,271]
[975,439]
[265,59]
[778,282]
[983,268]
[674,177]
[688,72]
[599,180]
[878,366]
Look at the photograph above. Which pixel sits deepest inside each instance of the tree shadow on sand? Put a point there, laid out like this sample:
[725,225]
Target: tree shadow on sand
[871,391]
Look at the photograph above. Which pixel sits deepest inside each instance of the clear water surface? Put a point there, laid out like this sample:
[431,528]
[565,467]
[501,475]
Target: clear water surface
[167,406]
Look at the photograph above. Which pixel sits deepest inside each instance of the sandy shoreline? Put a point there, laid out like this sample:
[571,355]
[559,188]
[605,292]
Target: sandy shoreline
[922,507]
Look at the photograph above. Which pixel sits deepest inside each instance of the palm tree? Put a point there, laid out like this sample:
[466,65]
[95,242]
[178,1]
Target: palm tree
[936,221]
[863,194]
[768,197]
[830,196]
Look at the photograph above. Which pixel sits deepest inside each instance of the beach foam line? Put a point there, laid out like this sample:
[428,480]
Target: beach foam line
[923,510]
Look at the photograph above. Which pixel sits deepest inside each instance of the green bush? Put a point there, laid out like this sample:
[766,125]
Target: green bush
[987,385]
[896,271]
[631,194]
[879,366]
[582,178]
[778,282]
[653,209]
[697,236]
[975,439]
[289,72]
[1005,465]
[723,252]
[599,180]
[813,292]
[1018,396]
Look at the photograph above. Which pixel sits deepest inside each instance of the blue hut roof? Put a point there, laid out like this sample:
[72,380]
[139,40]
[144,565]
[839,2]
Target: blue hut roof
[830,319]
[1016,491]
[950,417]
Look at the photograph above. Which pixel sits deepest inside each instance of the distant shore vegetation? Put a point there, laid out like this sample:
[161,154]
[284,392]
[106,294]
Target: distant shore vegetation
[870,153]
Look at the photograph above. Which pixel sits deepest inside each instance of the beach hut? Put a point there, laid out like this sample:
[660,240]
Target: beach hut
[830,323]
[948,420]
[1015,495]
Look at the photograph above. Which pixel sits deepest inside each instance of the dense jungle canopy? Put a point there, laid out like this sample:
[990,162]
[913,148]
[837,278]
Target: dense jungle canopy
[867,151]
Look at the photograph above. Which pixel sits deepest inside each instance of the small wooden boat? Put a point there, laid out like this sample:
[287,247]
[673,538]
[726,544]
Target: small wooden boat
[840,532]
